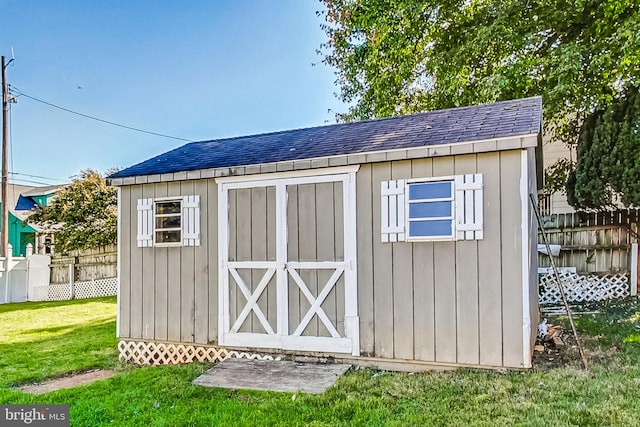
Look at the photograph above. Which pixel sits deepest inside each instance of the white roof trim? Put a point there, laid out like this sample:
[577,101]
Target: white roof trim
[290,174]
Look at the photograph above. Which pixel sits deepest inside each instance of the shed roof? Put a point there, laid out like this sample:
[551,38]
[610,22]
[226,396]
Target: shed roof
[457,125]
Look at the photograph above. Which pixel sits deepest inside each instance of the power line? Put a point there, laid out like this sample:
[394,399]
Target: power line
[20,93]
[37,176]
[30,181]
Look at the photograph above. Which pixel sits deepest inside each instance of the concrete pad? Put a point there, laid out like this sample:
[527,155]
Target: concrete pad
[272,375]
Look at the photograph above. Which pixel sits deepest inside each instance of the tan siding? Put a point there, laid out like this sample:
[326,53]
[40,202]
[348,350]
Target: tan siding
[423,283]
[174,296]
[136,275]
[402,283]
[187,281]
[164,284]
[365,234]
[489,270]
[201,266]
[511,257]
[161,280]
[468,346]
[148,281]
[382,272]
[445,283]
[456,293]
[127,238]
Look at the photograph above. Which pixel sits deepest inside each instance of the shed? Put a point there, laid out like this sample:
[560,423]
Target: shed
[404,243]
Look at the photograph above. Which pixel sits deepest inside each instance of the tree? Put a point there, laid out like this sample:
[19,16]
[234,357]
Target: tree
[608,166]
[82,215]
[404,56]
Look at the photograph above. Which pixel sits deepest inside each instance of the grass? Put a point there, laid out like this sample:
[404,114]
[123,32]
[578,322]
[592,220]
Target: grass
[164,396]
[44,340]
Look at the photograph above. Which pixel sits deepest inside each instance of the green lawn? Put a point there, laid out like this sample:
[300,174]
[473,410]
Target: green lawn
[45,340]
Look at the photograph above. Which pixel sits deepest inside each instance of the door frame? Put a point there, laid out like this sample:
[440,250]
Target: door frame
[280,339]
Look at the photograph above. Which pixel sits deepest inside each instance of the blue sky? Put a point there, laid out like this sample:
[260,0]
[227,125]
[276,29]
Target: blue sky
[191,69]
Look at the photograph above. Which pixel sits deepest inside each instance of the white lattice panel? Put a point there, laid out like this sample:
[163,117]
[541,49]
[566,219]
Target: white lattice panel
[152,353]
[92,289]
[581,288]
[51,293]
[96,288]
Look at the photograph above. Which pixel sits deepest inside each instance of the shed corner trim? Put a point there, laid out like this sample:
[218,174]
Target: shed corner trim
[524,215]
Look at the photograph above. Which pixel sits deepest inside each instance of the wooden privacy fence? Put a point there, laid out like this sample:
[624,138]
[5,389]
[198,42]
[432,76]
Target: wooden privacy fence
[597,242]
[84,265]
[598,255]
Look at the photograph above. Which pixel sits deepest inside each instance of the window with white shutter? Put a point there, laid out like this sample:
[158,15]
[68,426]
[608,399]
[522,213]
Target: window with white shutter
[169,221]
[441,208]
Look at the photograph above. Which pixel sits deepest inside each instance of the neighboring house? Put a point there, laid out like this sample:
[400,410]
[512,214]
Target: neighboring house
[554,150]
[403,243]
[19,235]
[21,231]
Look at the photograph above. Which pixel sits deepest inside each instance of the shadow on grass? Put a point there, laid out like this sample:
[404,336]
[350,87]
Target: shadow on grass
[16,306]
[63,328]
[84,347]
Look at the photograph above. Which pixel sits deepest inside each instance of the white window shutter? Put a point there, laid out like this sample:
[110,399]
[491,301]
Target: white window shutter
[393,211]
[469,215]
[145,223]
[191,220]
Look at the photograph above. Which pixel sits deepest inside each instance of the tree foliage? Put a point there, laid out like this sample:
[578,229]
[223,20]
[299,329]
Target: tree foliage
[404,56]
[82,215]
[608,166]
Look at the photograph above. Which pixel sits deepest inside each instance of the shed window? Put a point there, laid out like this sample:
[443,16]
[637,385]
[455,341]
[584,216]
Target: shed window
[430,210]
[168,221]
[426,209]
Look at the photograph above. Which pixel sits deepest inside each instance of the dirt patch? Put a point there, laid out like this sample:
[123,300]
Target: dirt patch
[68,382]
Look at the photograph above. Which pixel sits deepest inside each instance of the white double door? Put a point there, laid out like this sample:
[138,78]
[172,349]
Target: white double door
[287,250]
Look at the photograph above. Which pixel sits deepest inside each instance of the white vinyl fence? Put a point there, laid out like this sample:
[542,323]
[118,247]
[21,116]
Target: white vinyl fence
[20,275]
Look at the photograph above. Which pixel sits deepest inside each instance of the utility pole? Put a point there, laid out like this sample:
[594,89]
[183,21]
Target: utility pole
[5,151]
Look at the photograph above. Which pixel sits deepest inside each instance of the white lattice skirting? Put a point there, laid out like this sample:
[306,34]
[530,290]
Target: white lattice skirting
[153,353]
[579,288]
[81,290]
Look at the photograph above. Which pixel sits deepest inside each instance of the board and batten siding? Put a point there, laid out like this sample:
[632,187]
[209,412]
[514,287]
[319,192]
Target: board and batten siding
[445,302]
[448,303]
[169,294]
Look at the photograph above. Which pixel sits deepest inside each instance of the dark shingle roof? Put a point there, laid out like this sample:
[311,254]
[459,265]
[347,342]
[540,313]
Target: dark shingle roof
[465,124]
